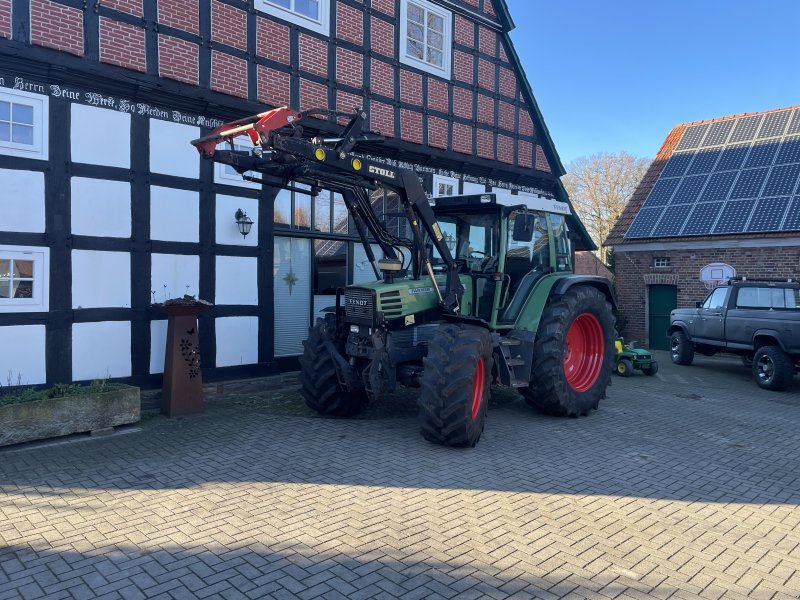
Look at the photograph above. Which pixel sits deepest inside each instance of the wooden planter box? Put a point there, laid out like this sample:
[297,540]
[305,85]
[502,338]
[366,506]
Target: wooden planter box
[55,417]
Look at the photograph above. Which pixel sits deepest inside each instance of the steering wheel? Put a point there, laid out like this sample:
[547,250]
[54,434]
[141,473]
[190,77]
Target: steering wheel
[482,263]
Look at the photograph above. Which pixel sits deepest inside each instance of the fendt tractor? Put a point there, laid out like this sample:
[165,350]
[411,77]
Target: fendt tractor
[479,294]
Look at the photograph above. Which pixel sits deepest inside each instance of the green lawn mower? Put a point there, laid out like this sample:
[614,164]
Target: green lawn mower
[630,357]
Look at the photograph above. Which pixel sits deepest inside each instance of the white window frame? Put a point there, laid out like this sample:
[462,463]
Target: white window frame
[442,179]
[662,262]
[40,148]
[226,175]
[445,70]
[320,25]
[41,276]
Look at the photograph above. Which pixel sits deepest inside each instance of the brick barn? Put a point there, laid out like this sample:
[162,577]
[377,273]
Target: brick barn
[107,209]
[722,198]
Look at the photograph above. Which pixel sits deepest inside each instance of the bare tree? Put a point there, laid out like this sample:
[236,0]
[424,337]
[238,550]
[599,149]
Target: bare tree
[599,186]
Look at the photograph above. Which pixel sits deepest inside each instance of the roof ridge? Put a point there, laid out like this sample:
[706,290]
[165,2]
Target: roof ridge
[736,116]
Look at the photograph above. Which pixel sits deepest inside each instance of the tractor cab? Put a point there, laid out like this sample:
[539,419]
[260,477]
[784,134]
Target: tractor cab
[502,252]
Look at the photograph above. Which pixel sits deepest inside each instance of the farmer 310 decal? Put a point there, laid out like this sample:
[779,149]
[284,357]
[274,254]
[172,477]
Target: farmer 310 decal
[478,294]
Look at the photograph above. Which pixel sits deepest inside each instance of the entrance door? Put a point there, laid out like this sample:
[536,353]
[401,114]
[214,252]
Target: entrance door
[662,299]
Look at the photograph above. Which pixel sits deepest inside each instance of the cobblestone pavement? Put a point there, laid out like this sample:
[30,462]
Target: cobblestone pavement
[682,485]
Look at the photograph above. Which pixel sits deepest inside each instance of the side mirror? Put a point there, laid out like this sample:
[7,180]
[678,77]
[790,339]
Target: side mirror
[698,304]
[523,227]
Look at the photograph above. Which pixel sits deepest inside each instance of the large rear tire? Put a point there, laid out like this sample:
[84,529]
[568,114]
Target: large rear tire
[773,369]
[320,385]
[456,385]
[573,354]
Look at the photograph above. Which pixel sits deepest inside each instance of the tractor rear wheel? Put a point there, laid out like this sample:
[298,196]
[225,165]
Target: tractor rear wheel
[320,384]
[573,354]
[455,385]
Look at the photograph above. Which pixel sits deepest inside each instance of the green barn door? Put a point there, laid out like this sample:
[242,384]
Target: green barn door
[662,300]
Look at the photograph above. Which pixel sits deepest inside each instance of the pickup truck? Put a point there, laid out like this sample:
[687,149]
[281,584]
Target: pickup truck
[758,319]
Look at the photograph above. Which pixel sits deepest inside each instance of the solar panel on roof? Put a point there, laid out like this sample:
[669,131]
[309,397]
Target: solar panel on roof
[733,157]
[782,180]
[718,187]
[794,123]
[661,192]
[734,216]
[645,220]
[692,137]
[745,128]
[789,152]
[792,221]
[702,218]
[730,176]
[761,154]
[677,165]
[689,190]
[774,124]
[704,162]
[749,183]
[768,214]
[672,221]
[718,133]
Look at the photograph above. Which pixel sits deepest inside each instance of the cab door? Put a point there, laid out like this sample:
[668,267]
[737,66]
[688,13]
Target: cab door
[711,317]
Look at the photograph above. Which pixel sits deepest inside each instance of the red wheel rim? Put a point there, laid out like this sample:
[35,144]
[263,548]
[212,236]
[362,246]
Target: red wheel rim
[477,389]
[583,357]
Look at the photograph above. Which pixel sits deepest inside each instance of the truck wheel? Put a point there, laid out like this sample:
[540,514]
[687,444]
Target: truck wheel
[455,385]
[320,385]
[651,370]
[772,368]
[681,349]
[624,367]
[573,354]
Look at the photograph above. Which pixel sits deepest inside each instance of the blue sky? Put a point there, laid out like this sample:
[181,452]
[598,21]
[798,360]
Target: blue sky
[617,75]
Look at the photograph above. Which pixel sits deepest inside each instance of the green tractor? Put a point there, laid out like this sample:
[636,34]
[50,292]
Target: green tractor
[477,294]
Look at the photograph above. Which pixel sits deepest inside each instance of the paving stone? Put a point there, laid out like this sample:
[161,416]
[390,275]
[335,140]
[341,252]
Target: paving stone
[681,485]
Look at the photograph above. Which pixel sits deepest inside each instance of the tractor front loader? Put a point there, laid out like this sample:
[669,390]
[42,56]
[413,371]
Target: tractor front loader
[478,293]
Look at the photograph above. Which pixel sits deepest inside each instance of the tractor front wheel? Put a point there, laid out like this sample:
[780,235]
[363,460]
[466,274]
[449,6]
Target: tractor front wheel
[455,385]
[573,354]
[320,384]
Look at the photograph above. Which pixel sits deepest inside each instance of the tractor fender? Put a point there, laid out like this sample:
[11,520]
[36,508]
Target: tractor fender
[557,285]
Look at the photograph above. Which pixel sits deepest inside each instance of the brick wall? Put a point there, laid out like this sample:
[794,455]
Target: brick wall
[180,14]
[634,270]
[5,18]
[177,59]
[122,44]
[228,74]
[228,25]
[479,111]
[57,26]
[132,7]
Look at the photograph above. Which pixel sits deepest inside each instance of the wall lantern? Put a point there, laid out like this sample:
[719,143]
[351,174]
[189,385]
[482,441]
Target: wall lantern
[243,221]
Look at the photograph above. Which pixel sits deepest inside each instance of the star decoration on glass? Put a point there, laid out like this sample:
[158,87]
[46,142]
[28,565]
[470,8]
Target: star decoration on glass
[290,280]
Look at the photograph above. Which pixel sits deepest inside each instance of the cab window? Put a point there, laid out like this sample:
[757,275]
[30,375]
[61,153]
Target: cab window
[561,239]
[716,300]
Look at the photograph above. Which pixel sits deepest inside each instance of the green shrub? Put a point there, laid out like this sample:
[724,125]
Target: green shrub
[18,394]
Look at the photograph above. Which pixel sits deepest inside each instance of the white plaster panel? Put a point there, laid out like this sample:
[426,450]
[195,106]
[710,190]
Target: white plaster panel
[227,229]
[170,150]
[101,207]
[237,280]
[101,136]
[173,275]
[101,279]
[174,215]
[21,201]
[158,345]
[504,197]
[101,350]
[237,341]
[473,188]
[22,354]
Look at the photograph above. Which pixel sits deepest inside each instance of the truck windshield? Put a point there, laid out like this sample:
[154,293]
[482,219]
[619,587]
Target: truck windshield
[469,236]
